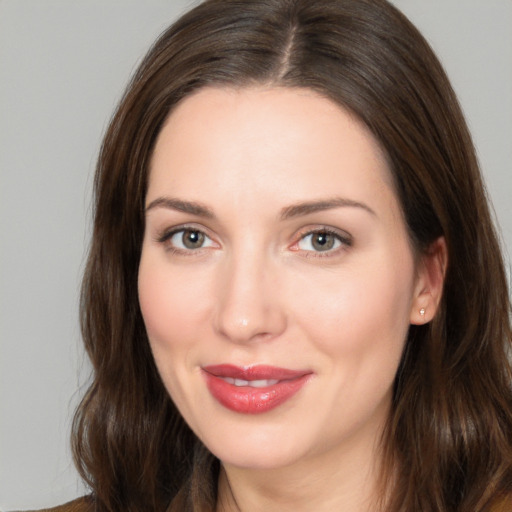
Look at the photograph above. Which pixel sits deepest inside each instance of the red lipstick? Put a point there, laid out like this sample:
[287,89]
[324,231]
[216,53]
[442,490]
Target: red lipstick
[253,390]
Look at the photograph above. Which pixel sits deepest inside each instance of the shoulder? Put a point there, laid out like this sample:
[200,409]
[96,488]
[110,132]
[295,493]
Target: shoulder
[84,504]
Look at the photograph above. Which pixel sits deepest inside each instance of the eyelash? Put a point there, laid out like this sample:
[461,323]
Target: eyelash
[166,236]
[345,241]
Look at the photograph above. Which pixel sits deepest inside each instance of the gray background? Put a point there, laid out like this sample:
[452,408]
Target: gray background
[63,65]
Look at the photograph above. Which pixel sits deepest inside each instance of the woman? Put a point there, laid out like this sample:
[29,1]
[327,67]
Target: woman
[294,298]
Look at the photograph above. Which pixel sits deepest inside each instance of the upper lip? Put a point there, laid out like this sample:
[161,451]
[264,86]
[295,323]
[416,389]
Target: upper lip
[257,372]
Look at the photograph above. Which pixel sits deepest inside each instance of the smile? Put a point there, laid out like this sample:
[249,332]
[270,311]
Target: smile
[262,383]
[255,389]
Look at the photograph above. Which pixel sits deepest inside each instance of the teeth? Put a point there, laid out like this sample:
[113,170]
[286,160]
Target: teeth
[264,383]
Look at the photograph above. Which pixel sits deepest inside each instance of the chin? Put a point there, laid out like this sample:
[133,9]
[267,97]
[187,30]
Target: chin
[262,459]
[258,448]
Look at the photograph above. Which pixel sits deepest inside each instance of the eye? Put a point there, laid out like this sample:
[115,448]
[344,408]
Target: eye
[187,239]
[322,241]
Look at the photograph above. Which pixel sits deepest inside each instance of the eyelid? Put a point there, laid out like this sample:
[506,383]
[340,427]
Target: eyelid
[345,238]
[163,237]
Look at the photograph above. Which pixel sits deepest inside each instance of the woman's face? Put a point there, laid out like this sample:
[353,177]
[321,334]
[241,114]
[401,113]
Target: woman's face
[277,281]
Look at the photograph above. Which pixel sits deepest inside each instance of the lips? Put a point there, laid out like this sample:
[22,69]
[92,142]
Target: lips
[253,390]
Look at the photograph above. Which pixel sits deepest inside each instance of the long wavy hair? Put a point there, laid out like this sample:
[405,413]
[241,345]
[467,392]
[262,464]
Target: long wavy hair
[448,441]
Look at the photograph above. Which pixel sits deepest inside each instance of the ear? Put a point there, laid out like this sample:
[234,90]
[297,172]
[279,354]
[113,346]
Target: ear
[429,282]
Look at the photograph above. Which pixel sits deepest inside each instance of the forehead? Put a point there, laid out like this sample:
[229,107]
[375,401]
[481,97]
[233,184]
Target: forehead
[294,142]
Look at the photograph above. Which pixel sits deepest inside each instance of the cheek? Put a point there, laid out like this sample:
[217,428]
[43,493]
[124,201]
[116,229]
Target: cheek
[155,303]
[360,313]
[170,309]
[169,305]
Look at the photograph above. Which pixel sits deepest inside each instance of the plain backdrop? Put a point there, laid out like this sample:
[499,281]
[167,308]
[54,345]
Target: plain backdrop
[63,66]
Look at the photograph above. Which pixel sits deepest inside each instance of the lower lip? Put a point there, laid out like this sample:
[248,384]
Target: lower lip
[248,400]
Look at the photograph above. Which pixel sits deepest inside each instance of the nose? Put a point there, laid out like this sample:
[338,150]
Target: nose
[249,305]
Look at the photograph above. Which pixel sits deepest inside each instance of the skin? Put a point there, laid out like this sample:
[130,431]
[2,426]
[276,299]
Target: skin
[259,292]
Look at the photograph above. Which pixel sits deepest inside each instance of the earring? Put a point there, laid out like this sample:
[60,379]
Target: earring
[422,311]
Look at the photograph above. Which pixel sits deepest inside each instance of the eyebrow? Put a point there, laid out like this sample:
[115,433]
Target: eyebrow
[295,210]
[309,207]
[181,206]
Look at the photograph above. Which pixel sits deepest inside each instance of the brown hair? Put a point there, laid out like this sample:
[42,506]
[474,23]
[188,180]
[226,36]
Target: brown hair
[448,442]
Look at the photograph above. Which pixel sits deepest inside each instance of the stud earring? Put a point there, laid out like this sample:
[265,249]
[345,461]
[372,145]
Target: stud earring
[422,311]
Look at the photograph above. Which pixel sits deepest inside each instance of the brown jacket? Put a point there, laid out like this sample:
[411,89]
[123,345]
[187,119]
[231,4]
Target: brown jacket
[85,505]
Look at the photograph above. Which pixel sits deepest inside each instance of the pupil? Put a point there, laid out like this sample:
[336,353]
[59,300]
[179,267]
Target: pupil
[323,241]
[193,239]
